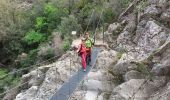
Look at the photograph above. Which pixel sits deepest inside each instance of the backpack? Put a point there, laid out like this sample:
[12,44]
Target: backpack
[89,39]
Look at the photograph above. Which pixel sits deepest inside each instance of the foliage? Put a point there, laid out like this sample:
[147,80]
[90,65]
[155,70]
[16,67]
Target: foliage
[68,25]
[66,45]
[33,37]
[8,81]
[3,72]
[140,7]
[45,51]
[109,16]
[40,23]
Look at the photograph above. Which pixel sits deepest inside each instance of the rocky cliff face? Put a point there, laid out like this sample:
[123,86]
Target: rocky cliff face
[144,44]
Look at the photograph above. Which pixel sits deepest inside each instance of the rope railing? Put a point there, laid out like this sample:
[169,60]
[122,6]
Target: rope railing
[89,21]
[22,69]
[1,94]
[18,86]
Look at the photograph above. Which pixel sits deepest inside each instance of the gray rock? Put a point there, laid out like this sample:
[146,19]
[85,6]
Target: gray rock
[93,85]
[166,15]
[124,38]
[151,37]
[161,94]
[113,27]
[27,95]
[151,11]
[137,89]
[124,65]
[105,59]
[162,66]
[133,75]
[131,24]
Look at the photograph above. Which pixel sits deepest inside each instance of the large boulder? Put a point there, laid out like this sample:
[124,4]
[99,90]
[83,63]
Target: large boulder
[162,94]
[137,89]
[151,36]
[166,15]
[151,11]
[124,65]
[162,63]
[114,27]
[105,59]
[133,75]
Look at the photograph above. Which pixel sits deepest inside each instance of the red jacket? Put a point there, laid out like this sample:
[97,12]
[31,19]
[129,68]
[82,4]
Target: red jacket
[81,48]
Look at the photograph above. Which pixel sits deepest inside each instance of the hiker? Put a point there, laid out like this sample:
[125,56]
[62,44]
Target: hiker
[89,44]
[82,52]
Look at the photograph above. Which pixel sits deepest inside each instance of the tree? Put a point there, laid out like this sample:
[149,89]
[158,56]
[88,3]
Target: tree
[69,24]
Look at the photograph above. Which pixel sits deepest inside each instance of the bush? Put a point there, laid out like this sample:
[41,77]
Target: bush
[68,25]
[66,45]
[33,37]
[3,72]
[40,23]
[30,60]
[45,51]
[109,15]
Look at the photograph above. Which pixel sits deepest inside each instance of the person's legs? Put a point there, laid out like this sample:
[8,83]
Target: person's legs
[83,57]
[88,58]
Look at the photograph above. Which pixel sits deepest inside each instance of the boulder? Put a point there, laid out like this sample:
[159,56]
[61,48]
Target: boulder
[151,11]
[133,75]
[161,94]
[151,36]
[162,66]
[105,59]
[31,92]
[137,89]
[114,27]
[166,16]
[124,65]
[93,85]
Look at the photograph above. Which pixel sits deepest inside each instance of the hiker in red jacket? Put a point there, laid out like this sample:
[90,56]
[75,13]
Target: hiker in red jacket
[82,52]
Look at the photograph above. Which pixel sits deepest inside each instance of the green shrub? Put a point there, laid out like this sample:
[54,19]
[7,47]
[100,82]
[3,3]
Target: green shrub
[33,37]
[49,8]
[3,72]
[141,67]
[66,45]
[109,15]
[40,23]
[30,60]
[68,25]
[45,51]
